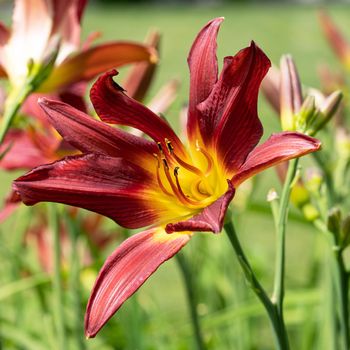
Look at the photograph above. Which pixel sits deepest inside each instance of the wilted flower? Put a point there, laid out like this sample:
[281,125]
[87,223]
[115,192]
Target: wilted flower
[159,182]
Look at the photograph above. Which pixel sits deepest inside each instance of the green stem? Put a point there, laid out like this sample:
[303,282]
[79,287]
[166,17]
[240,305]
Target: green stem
[278,291]
[57,280]
[74,280]
[191,298]
[342,288]
[13,103]
[279,331]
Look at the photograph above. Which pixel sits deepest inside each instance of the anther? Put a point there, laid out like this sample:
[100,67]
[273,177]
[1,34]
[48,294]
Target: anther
[160,146]
[169,145]
[176,171]
[165,163]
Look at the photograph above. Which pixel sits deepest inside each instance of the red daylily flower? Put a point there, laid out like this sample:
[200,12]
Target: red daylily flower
[159,181]
[37,29]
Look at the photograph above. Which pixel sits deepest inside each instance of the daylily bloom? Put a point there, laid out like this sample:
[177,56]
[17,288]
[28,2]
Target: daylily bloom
[40,27]
[159,181]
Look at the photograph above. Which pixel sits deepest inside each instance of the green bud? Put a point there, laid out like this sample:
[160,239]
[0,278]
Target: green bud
[272,195]
[345,231]
[306,114]
[310,212]
[326,111]
[334,221]
[299,195]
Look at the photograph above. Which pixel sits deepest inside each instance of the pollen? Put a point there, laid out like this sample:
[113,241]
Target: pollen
[180,177]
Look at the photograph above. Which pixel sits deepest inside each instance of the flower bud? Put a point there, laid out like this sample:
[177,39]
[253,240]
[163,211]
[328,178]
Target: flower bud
[306,114]
[291,97]
[334,221]
[326,111]
[345,231]
[310,212]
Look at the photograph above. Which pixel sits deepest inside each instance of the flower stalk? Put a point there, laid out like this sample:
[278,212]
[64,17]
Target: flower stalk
[37,74]
[278,292]
[279,331]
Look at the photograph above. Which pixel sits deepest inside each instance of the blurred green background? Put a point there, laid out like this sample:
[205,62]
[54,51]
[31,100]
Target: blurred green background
[230,314]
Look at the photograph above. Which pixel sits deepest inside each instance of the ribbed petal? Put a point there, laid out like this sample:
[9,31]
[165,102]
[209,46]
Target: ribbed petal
[126,270]
[270,87]
[229,116]
[203,66]
[93,61]
[141,74]
[93,136]
[278,148]
[210,219]
[114,106]
[109,186]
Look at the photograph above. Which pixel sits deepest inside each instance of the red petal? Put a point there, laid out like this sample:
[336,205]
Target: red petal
[86,65]
[141,75]
[114,106]
[23,154]
[93,136]
[210,219]
[126,270]
[109,186]
[230,112]
[12,202]
[4,34]
[203,66]
[278,148]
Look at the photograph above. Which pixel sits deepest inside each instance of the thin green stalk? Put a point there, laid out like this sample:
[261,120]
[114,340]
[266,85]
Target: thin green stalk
[75,287]
[278,291]
[57,280]
[191,298]
[279,331]
[12,105]
[342,288]
[339,273]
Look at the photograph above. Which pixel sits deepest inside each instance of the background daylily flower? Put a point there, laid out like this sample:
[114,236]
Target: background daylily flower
[160,181]
[40,27]
[335,38]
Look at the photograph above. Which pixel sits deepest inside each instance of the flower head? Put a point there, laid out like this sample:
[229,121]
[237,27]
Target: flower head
[47,32]
[161,182]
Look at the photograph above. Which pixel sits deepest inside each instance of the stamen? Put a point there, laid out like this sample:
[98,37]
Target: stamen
[187,166]
[208,157]
[159,179]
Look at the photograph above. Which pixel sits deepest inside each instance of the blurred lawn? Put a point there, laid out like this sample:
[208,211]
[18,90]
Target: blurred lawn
[277,30]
